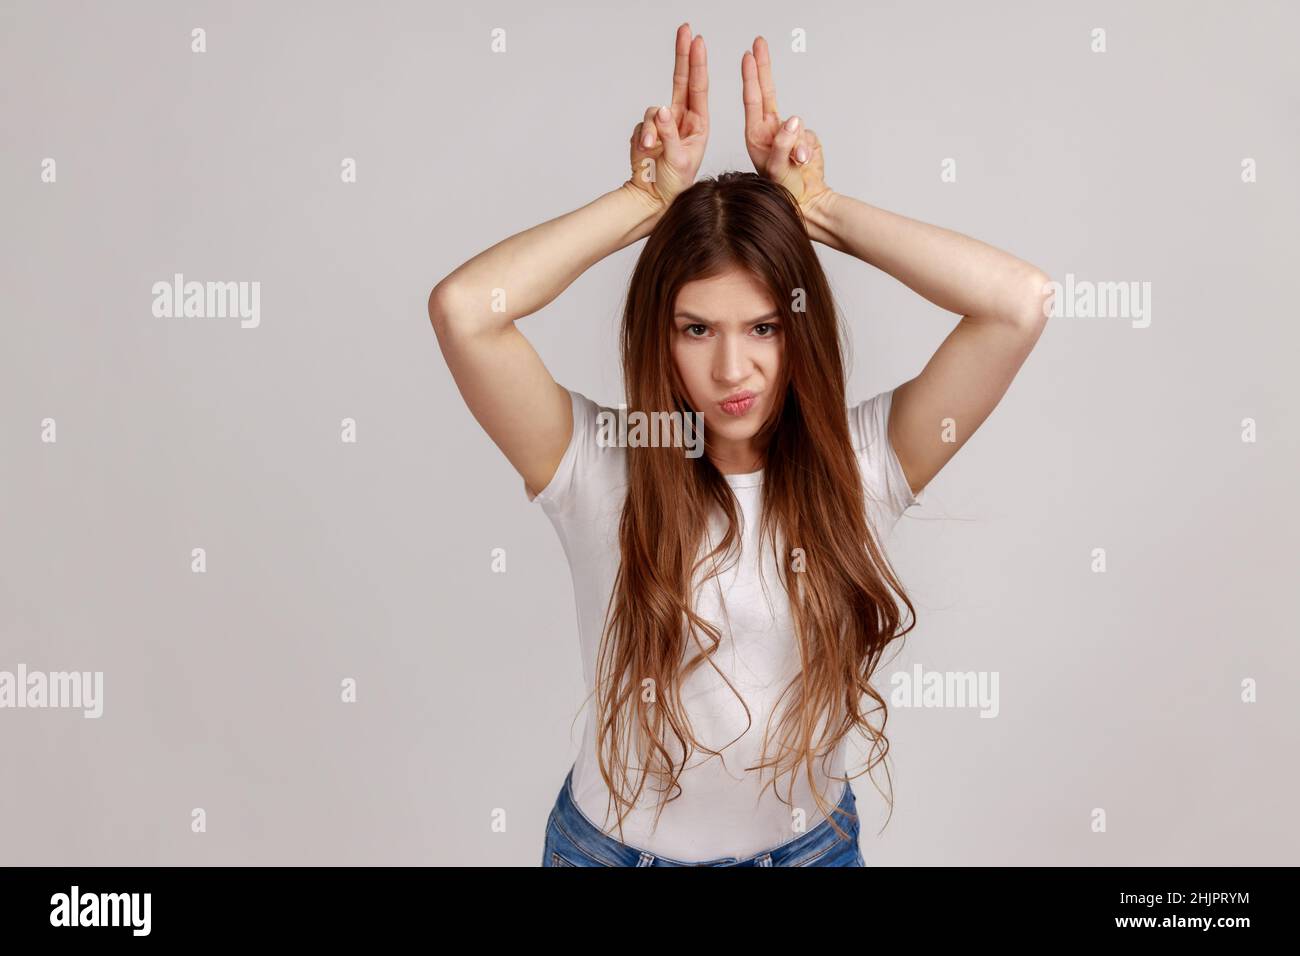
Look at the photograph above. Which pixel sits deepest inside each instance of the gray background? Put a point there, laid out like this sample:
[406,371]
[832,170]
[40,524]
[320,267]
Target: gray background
[372,561]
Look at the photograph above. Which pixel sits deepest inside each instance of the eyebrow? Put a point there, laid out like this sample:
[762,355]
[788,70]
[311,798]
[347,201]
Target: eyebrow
[703,321]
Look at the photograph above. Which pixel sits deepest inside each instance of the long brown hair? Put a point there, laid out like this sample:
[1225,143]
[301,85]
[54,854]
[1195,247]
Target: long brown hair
[842,600]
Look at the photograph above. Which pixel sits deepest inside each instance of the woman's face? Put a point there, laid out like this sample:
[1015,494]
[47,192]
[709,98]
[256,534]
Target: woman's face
[727,339]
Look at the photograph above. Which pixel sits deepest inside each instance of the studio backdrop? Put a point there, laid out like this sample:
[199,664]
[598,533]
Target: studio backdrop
[269,595]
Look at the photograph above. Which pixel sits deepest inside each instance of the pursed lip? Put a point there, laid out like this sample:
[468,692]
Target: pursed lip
[738,397]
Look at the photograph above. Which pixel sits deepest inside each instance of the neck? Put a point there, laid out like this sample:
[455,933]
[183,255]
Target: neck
[739,458]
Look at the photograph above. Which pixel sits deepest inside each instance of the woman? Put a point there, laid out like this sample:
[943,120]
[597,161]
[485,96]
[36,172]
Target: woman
[733,605]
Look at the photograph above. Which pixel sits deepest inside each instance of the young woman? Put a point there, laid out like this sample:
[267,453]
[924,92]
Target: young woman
[733,605]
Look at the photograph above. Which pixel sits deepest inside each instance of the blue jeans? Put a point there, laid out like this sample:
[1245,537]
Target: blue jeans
[573,840]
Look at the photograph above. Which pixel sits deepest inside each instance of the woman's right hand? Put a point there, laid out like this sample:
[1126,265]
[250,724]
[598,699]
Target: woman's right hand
[667,146]
[785,152]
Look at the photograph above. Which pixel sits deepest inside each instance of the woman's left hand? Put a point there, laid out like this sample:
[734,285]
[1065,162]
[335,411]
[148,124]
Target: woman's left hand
[785,152]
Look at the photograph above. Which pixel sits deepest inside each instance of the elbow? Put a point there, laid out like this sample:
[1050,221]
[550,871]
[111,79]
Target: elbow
[1034,301]
[443,306]
[438,305]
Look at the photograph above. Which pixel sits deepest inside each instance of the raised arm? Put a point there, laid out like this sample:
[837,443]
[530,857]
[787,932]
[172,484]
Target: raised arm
[1000,298]
[508,389]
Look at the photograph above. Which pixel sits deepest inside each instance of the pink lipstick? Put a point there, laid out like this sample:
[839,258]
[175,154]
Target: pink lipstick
[738,404]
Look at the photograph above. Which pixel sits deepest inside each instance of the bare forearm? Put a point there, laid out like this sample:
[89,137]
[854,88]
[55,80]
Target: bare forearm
[523,273]
[952,270]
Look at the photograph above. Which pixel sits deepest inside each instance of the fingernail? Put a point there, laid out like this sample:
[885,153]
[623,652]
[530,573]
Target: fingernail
[646,140]
[802,154]
[664,114]
[792,123]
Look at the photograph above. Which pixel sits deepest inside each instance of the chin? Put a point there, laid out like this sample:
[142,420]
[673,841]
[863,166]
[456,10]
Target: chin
[735,429]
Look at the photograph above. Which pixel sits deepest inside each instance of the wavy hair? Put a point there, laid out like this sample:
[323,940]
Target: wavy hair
[842,602]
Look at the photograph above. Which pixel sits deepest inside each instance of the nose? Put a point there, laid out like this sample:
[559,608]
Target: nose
[730,363]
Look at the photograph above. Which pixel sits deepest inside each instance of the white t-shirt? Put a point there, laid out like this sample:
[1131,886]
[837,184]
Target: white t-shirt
[719,811]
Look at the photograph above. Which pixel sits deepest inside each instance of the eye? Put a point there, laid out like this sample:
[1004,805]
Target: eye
[768,325]
[687,330]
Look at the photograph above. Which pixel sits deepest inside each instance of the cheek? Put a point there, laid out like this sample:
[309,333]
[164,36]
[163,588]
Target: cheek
[773,363]
[773,353]
[692,367]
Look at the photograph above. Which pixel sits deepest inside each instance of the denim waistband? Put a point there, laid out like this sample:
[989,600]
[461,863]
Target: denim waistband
[603,849]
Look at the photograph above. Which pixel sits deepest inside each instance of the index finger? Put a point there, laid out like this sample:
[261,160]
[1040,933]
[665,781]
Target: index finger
[764,59]
[750,94]
[682,65]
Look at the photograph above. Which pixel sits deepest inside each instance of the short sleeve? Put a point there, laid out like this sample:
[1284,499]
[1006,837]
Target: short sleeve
[589,466]
[882,473]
